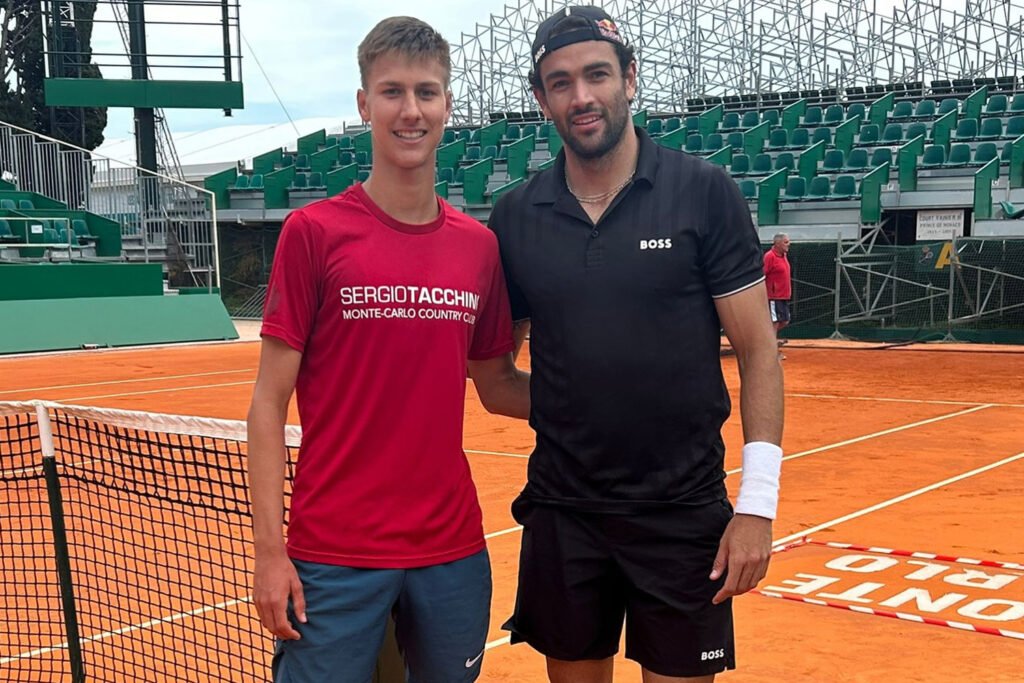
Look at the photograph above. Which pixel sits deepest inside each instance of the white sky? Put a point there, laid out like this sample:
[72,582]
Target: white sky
[306,47]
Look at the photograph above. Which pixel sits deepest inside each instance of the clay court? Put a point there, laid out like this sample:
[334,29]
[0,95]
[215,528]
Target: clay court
[913,456]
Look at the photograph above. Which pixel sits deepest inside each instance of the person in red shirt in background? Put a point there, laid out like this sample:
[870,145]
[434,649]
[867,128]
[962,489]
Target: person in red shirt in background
[380,299]
[778,274]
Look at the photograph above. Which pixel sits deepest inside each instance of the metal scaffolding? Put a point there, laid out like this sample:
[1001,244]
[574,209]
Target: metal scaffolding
[726,47]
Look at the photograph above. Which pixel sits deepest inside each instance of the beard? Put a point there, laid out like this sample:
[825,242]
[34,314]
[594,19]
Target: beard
[616,119]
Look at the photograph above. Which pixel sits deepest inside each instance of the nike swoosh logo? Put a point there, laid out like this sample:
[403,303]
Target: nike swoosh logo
[470,663]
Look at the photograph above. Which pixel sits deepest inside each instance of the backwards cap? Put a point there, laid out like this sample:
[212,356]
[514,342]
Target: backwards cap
[599,26]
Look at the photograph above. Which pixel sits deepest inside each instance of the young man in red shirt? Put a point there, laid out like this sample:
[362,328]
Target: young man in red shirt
[778,280]
[377,298]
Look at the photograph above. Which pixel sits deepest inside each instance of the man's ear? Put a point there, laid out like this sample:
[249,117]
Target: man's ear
[364,111]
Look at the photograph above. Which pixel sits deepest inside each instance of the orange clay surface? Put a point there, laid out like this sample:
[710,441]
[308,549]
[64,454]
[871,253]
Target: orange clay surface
[887,448]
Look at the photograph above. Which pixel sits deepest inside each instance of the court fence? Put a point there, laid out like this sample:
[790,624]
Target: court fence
[961,289]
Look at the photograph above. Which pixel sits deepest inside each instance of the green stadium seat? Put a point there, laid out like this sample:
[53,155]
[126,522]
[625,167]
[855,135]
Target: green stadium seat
[1017,104]
[991,129]
[1006,154]
[868,134]
[1010,211]
[50,236]
[966,129]
[915,129]
[513,132]
[762,165]
[735,139]
[460,176]
[302,161]
[489,152]
[856,109]
[812,117]
[845,187]
[834,115]
[713,142]
[345,158]
[949,104]
[771,116]
[345,142]
[80,228]
[503,153]
[316,180]
[934,156]
[822,135]
[925,109]
[784,160]
[749,189]
[674,123]
[1014,128]
[893,134]
[959,155]
[448,137]
[750,119]
[63,237]
[241,182]
[363,176]
[800,138]
[256,181]
[654,127]
[465,134]
[858,159]
[333,142]
[778,138]
[475,136]
[796,189]
[287,160]
[740,164]
[984,153]
[25,205]
[8,205]
[445,175]
[362,158]
[5,230]
[833,161]
[904,109]
[996,105]
[692,123]
[820,188]
[694,144]
[731,121]
[881,155]
[300,181]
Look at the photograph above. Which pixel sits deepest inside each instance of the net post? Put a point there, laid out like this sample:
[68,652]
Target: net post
[836,334]
[952,288]
[60,543]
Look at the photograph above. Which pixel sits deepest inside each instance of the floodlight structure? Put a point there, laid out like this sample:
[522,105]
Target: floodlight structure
[726,47]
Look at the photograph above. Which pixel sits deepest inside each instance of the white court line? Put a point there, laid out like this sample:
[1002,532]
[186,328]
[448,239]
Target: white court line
[159,391]
[127,381]
[897,499]
[507,455]
[925,401]
[126,629]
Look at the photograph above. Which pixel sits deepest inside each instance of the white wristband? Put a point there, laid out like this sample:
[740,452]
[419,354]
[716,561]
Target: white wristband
[759,485]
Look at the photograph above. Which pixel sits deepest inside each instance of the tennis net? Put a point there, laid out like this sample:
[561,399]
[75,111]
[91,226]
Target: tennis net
[125,541]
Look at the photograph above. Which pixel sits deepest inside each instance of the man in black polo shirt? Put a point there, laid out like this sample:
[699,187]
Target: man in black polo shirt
[628,258]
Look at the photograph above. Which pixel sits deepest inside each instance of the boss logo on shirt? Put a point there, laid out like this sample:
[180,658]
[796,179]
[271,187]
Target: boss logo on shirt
[655,244]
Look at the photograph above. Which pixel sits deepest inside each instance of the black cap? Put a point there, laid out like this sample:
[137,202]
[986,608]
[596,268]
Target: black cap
[599,26]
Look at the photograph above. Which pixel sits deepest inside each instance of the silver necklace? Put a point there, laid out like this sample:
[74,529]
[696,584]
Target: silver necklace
[598,198]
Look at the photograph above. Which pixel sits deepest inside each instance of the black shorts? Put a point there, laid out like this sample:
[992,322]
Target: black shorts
[779,310]
[580,573]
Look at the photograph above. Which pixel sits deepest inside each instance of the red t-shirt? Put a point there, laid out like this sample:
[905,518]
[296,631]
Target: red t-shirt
[385,315]
[777,276]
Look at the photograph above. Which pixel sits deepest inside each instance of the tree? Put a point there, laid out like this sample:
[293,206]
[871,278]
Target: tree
[22,99]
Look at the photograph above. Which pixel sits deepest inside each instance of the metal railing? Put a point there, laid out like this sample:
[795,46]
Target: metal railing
[165,214]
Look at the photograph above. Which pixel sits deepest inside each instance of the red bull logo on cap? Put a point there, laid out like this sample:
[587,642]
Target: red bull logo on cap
[609,30]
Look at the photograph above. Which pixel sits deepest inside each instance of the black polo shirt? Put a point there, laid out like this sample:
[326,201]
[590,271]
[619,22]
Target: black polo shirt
[628,398]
